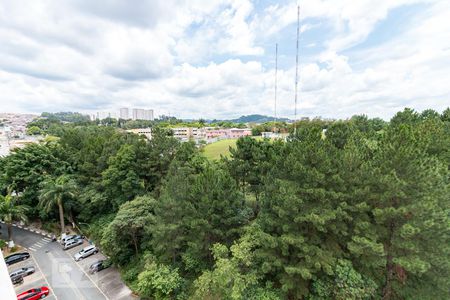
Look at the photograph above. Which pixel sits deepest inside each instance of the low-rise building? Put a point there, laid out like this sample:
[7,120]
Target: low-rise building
[274,135]
[208,133]
[142,131]
[235,133]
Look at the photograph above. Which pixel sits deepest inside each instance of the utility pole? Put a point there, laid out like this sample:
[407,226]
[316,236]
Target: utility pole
[276,71]
[296,70]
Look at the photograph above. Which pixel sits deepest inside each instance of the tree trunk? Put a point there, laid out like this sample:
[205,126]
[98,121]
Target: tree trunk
[72,219]
[9,225]
[61,217]
[389,272]
[134,238]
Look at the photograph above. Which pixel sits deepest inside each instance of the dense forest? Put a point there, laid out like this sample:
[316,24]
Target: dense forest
[351,209]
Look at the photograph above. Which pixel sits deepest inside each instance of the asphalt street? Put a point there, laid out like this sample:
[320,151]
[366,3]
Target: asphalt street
[55,268]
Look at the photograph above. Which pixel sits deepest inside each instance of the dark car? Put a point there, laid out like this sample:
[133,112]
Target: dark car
[25,271]
[17,279]
[34,294]
[16,257]
[98,266]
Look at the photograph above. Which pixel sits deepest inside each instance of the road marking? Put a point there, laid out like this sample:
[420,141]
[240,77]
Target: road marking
[43,275]
[39,243]
[46,239]
[32,249]
[87,275]
[68,280]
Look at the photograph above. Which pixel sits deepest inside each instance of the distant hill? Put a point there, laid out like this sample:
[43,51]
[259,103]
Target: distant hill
[257,119]
[68,116]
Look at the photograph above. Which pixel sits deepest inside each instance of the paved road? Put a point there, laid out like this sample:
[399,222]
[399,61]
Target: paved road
[56,269]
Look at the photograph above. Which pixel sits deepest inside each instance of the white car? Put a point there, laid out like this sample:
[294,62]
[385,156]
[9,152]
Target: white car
[72,243]
[85,252]
[66,238]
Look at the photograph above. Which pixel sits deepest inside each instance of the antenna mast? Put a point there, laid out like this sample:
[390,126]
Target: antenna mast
[296,70]
[276,71]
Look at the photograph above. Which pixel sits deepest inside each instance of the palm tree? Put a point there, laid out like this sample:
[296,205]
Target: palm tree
[11,211]
[55,192]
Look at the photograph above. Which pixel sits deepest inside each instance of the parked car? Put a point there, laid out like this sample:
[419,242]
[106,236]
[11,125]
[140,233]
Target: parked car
[25,271]
[66,238]
[85,252]
[34,294]
[99,265]
[17,279]
[72,243]
[16,257]
[72,237]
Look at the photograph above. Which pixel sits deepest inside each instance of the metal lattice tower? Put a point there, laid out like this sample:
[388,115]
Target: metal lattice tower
[296,70]
[276,74]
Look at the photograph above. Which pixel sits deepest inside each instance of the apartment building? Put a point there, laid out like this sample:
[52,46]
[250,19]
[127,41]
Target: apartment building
[125,113]
[207,133]
[235,133]
[182,133]
[142,114]
[147,132]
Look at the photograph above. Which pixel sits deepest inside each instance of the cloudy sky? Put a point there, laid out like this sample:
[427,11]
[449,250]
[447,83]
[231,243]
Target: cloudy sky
[216,58]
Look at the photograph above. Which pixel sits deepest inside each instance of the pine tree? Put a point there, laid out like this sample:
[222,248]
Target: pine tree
[302,218]
[197,209]
[408,196]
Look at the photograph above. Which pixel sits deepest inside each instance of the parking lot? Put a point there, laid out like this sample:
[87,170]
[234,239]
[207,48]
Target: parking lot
[37,279]
[66,278]
[107,280]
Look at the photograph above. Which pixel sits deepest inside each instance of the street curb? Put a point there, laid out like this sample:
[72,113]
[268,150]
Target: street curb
[40,232]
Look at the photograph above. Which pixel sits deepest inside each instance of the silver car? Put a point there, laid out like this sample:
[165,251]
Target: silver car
[72,243]
[25,271]
[66,238]
[85,252]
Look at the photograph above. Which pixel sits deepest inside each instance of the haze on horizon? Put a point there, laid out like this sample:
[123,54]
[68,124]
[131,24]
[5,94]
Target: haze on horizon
[215,59]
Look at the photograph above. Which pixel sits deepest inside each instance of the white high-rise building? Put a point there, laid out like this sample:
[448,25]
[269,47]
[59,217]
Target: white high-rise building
[105,114]
[142,114]
[124,113]
[148,114]
[138,114]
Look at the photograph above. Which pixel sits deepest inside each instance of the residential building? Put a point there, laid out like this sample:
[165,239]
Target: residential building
[207,133]
[101,115]
[124,113]
[137,114]
[235,133]
[148,114]
[142,114]
[274,135]
[6,288]
[182,133]
[142,131]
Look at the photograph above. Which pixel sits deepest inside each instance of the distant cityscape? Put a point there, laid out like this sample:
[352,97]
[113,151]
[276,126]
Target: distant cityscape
[13,131]
[126,114]
[13,128]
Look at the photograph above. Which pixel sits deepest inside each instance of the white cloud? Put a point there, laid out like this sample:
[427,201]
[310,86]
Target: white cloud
[207,59]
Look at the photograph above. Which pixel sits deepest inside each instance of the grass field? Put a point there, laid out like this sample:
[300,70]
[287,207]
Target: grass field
[214,150]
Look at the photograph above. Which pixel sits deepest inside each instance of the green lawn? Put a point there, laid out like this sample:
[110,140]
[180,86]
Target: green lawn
[214,150]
